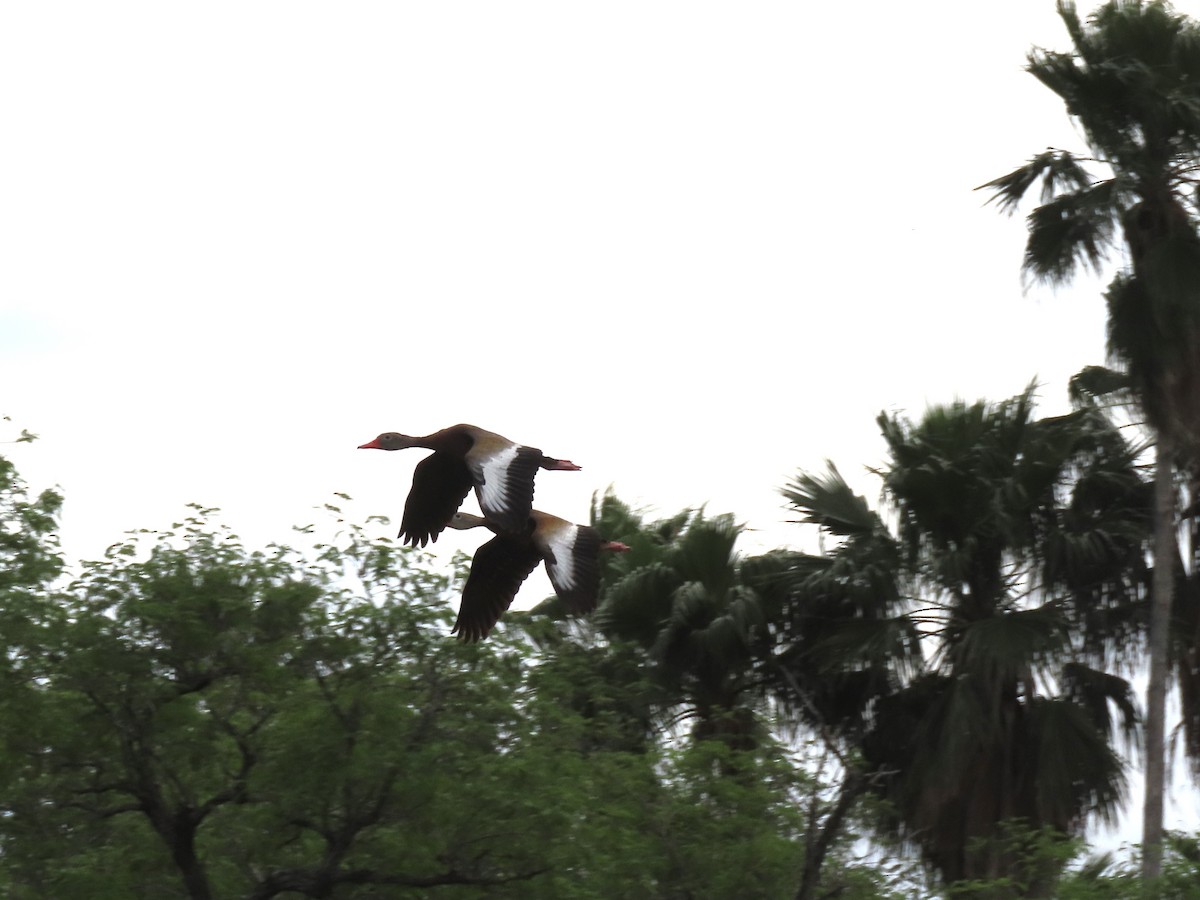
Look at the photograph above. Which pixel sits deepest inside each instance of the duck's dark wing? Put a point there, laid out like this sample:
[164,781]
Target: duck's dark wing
[504,483]
[440,484]
[499,568]
[572,554]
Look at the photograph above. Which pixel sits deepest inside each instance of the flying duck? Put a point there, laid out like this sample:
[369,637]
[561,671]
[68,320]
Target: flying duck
[571,553]
[465,457]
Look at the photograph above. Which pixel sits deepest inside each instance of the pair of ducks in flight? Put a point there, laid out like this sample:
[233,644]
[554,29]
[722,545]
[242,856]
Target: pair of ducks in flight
[501,473]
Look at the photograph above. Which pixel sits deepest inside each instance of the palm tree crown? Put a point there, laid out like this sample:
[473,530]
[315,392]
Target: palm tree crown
[1015,557]
[680,595]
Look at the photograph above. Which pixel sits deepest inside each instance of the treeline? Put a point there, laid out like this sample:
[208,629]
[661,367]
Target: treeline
[192,718]
[189,718]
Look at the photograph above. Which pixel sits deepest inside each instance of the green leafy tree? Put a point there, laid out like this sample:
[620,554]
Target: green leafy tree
[1092,876]
[30,562]
[1132,84]
[203,721]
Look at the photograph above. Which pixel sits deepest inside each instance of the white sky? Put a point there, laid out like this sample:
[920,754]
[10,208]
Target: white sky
[691,246]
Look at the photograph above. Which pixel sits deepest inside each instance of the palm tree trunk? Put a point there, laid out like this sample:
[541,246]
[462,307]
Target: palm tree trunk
[1162,594]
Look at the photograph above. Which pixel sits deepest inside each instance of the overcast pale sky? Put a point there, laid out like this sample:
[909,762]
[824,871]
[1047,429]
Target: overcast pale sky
[691,246]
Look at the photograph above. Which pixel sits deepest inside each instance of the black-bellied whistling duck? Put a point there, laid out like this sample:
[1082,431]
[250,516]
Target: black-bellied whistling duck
[466,457]
[571,553]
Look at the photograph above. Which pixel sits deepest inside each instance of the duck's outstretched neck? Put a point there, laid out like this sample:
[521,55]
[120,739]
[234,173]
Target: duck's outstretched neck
[462,521]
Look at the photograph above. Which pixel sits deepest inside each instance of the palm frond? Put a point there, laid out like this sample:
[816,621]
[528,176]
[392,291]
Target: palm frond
[857,643]
[707,634]
[725,641]
[1011,646]
[705,552]
[780,574]
[648,541]
[829,502]
[1066,232]
[865,577]
[692,607]
[1094,384]
[1058,170]
[1090,777]
[961,722]
[1097,693]
[635,607]
[1070,16]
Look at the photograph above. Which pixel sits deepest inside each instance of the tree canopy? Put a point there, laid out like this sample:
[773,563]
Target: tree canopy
[192,718]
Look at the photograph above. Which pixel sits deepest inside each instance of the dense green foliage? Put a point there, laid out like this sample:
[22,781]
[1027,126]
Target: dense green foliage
[189,718]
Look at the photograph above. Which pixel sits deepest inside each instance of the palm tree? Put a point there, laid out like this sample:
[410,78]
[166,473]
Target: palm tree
[1132,84]
[838,637]
[679,595]
[1017,550]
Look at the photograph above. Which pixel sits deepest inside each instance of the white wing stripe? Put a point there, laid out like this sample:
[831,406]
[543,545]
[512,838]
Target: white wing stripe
[562,572]
[494,493]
